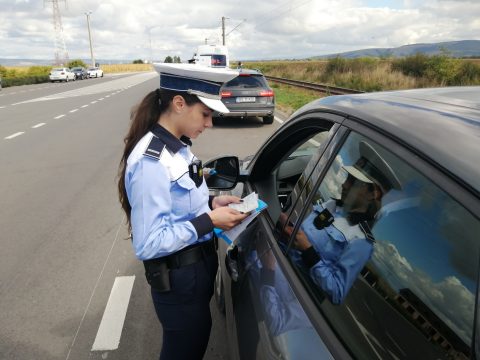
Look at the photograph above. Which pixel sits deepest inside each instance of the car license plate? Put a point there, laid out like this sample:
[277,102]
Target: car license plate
[245,99]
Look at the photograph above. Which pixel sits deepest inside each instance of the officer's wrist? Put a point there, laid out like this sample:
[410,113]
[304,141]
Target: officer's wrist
[310,257]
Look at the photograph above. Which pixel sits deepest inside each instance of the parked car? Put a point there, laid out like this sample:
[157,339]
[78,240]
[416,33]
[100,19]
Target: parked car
[94,72]
[388,271]
[61,74]
[248,95]
[80,73]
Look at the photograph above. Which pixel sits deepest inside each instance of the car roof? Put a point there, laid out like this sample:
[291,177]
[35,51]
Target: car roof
[441,123]
[250,71]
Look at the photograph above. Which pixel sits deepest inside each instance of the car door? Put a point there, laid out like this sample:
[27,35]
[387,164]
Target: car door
[280,165]
[414,295]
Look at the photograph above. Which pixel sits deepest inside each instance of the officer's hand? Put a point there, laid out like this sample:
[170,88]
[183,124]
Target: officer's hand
[224,200]
[226,218]
[301,241]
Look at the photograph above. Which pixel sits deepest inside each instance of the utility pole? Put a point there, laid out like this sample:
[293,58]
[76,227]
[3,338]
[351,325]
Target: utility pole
[88,13]
[61,54]
[223,29]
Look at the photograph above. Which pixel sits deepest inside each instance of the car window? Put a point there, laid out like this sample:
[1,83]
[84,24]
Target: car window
[390,258]
[247,81]
[219,60]
[294,165]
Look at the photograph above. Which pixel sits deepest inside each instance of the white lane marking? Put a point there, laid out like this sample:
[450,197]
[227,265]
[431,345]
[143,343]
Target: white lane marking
[101,99]
[72,111]
[38,125]
[59,116]
[14,135]
[277,119]
[110,329]
[107,96]
[2,107]
[93,102]
[84,106]
[120,226]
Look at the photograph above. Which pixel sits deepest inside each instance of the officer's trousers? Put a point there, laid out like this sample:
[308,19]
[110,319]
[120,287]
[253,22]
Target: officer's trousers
[184,311]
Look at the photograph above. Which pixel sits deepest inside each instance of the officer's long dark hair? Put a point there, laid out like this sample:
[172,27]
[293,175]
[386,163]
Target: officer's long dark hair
[143,117]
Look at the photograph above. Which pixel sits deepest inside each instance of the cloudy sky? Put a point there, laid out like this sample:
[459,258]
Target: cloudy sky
[126,29]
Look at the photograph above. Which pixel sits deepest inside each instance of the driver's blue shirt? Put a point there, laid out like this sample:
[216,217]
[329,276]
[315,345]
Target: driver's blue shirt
[342,250]
[169,212]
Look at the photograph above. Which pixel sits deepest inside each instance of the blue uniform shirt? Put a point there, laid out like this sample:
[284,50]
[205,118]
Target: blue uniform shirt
[342,249]
[169,212]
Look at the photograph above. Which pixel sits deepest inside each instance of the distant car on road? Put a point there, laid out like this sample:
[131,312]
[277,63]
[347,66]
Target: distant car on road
[61,74]
[80,73]
[94,72]
[248,95]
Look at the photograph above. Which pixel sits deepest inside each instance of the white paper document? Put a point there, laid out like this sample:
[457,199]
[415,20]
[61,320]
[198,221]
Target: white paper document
[230,235]
[250,203]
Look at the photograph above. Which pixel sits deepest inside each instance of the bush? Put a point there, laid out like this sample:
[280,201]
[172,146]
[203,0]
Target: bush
[443,69]
[26,80]
[414,65]
[467,74]
[76,63]
[138,61]
[39,70]
[342,65]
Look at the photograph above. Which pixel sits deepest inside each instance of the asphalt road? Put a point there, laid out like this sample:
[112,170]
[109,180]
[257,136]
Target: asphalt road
[63,236]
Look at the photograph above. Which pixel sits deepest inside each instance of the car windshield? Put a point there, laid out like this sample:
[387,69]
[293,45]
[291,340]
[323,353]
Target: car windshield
[58,69]
[247,81]
[92,68]
[77,69]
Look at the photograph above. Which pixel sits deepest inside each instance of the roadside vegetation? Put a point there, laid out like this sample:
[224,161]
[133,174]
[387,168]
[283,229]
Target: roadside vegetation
[25,75]
[290,98]
[373,74]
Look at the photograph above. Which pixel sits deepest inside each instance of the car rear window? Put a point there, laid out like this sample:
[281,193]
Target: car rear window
[219,60]
[248,81]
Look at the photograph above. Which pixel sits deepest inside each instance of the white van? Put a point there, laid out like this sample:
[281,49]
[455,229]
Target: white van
[211,56]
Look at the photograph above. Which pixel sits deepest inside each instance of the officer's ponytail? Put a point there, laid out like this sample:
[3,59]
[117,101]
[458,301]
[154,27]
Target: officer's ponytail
[143,117]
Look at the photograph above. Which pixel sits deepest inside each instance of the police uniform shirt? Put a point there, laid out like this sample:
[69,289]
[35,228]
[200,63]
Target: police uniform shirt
[340,251]
[169,212]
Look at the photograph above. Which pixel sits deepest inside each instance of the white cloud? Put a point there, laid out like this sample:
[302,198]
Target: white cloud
[448,298]
[274,29]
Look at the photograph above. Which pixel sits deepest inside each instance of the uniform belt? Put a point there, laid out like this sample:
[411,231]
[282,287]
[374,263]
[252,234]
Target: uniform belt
[187,256]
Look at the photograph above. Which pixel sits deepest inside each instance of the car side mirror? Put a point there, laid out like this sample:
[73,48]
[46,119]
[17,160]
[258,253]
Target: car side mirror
[222,173]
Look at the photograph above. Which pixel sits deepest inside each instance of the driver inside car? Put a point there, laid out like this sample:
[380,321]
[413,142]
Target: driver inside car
[335,240]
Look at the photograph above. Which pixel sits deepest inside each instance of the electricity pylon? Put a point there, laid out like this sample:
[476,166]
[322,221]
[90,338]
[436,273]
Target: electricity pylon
[61,54]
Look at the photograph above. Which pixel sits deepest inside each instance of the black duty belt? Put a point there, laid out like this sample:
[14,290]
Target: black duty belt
[186,256]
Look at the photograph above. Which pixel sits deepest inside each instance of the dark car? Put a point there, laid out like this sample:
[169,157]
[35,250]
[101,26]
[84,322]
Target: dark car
[248,95]
[370,245]
[80,73]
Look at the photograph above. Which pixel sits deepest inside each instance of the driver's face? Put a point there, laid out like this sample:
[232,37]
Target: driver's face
[355,194]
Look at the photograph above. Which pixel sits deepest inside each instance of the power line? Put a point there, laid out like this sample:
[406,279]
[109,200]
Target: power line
[282,13]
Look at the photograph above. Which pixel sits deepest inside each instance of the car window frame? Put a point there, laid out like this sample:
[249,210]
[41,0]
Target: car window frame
[284,140]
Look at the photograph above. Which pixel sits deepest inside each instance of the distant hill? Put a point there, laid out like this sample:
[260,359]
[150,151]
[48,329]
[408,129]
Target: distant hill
[463,48]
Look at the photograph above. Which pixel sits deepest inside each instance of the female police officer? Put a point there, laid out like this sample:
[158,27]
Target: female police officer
[166,201]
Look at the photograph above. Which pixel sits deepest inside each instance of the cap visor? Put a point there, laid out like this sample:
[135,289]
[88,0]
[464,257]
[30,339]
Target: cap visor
[215,105]
[357,174]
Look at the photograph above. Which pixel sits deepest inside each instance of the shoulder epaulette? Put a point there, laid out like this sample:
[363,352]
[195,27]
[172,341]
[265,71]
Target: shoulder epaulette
[155,148]
[366,229]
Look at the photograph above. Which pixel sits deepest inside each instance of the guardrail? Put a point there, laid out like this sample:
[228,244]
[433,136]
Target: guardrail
[331,90]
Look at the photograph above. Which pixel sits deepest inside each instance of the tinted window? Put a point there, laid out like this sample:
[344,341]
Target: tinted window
[219,60]
[390,258]
[247,81]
